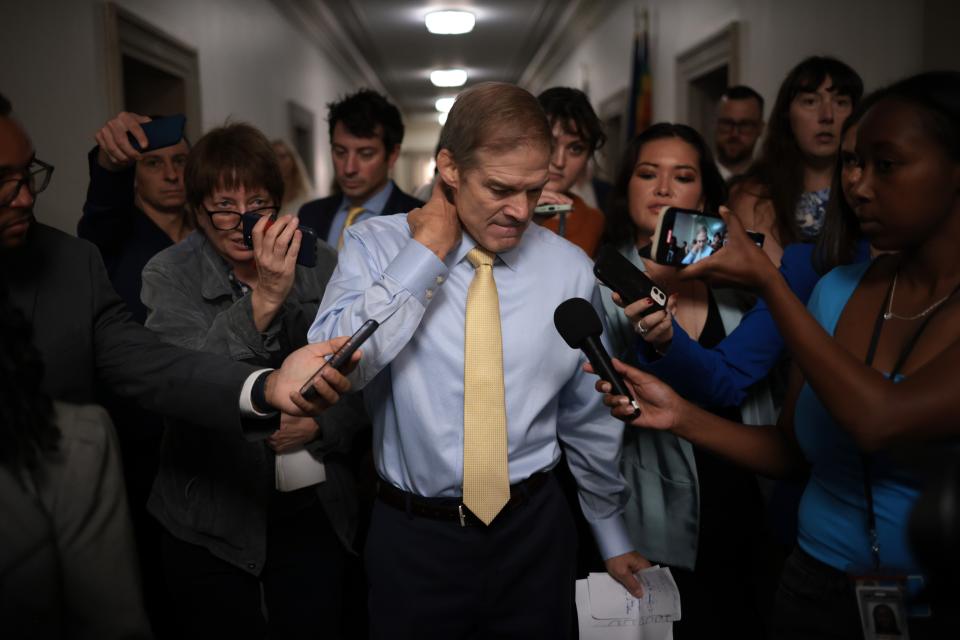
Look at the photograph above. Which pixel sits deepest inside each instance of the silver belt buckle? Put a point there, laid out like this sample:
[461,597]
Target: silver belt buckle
[463,517]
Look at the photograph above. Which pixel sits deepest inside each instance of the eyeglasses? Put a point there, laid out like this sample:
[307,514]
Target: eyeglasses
[226,220]
[726,125]
[36,180]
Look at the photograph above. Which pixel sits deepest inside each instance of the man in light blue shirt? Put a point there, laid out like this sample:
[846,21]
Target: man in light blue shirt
[435,570]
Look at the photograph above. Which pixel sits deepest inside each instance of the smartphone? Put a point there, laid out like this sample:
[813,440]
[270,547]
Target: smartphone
[615,271]
[161,132]
[686,236]
[341,357]
[551,209]
[308,244]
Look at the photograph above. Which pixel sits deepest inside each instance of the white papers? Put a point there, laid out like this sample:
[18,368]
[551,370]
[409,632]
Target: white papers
[297,470]
[607,611]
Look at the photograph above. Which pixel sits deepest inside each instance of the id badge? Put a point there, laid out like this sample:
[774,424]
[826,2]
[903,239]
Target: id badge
[883,614]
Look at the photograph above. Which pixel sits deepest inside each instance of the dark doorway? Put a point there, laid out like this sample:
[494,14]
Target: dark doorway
[703,98]
[302,134]
[151,91]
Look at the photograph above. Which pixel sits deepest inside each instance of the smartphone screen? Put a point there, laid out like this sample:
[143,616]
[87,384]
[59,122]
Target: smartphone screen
[687,237]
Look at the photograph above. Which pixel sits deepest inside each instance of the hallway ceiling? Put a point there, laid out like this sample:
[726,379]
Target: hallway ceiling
[385,45]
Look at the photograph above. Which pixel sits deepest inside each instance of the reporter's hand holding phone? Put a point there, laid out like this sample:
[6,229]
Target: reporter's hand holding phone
[116,153]
[741,263]
[655,328]
[276,244]
[282,388]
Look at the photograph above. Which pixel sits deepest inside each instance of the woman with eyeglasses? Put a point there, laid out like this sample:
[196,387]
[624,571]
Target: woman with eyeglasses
[229,530]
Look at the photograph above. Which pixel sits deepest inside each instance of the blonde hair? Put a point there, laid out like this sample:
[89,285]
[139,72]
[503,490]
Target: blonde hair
[301,184]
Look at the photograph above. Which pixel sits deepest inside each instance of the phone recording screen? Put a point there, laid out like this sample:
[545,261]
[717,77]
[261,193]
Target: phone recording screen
[693,238]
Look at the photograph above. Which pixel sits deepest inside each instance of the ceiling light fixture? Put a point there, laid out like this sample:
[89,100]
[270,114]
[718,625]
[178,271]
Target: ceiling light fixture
[448,77]
[450,22]
[444,104]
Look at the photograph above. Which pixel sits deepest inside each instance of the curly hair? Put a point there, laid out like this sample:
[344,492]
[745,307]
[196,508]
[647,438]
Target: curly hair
[362,112]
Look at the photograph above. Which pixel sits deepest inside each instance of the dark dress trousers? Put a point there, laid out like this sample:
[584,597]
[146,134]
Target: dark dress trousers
[318,214]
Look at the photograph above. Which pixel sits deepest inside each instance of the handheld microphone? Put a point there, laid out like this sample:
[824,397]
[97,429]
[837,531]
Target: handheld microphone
[580,327]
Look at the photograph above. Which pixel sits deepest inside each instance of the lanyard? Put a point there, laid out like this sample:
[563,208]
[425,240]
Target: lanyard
[901,359]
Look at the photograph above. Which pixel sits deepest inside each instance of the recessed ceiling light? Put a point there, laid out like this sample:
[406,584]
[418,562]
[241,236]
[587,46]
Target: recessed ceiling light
[442,117]
[448,77]
[450,22]
[444,104]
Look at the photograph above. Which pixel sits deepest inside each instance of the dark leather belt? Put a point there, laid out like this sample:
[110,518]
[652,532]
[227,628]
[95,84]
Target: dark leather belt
[453,509]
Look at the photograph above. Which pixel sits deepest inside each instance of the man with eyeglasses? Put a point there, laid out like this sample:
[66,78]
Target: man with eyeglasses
[90,344]
[738,128]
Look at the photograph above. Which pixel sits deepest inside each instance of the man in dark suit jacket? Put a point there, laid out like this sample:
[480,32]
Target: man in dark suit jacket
[88,340]
[365,136]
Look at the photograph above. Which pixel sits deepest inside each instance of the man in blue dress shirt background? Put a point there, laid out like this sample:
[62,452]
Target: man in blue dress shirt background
[434,568]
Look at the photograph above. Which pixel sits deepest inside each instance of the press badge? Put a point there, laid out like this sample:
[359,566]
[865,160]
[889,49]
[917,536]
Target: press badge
[883,615]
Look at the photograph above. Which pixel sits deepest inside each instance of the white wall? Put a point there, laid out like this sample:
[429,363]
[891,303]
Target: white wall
[881,39]
[251,62]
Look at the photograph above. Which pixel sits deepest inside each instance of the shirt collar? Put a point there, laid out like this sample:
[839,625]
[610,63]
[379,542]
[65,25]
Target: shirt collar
[375,203]
[509,258]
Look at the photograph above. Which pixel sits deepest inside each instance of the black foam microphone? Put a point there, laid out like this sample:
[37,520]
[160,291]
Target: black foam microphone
[580,327]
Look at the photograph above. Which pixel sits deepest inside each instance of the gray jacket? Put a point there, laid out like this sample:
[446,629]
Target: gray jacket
[663,512]
[68,566]
[213,489]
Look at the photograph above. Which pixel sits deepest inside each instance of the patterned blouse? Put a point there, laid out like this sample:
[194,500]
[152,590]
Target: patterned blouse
[810,212]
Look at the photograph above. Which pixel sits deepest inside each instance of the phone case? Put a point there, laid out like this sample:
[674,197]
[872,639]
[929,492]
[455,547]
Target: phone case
[161,132]
[307,256]
[615,271]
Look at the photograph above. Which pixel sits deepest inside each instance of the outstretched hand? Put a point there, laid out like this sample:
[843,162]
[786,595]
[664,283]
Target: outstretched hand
[740,263]
[660,406]
[283,385]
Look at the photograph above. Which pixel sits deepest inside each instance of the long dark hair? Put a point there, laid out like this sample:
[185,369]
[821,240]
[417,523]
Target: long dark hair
[27,427]
[777,174]
[619,225]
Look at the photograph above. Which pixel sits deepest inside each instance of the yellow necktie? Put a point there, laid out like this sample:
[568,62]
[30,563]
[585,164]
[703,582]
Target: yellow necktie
[486,479]
[352,214]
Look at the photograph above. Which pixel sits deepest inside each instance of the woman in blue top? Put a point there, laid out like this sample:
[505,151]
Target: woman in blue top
[843,413]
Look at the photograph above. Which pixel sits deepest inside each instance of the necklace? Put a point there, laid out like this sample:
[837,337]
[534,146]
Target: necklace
[890,314]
